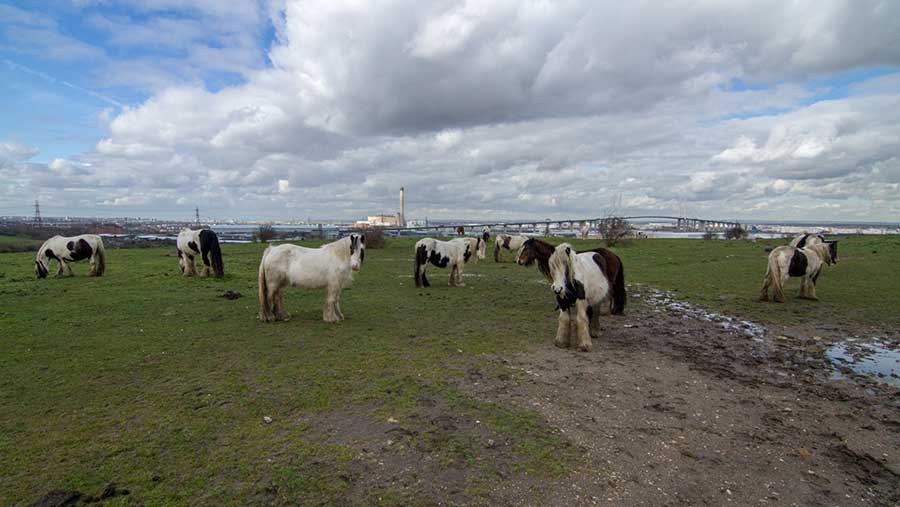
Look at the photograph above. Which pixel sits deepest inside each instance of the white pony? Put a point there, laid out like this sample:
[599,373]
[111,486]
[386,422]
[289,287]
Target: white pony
[328,267]
[202,242]
[509,242]
[582,290]
[453,254]
[787,261]
[71,249]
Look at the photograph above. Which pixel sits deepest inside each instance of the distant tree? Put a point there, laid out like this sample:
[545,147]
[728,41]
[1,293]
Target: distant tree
[374,237]
[265,233]
[613,229]
[736,232]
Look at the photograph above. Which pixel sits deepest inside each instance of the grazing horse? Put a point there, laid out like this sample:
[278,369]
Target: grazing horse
[508,242]
[536,250]
[804,240]
[485,233]
[460,231]
[202,242]
[806,263]
[581,289]
[72,249]
[453,254]
[328,267]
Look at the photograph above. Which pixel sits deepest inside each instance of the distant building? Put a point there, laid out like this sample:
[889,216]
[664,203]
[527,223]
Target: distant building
[379,221]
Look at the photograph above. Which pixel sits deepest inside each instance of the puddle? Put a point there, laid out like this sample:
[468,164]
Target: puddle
[662,299]
[875,358]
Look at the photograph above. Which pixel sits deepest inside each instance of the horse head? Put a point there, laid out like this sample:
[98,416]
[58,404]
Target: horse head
[357,251]
[527,254]
[480,247]
[832,251]
[562,274]
[40,269]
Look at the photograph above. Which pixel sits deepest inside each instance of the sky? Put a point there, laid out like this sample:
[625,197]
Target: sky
[280,109]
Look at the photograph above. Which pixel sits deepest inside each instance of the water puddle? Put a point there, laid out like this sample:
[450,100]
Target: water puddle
[662,299]
[876,358]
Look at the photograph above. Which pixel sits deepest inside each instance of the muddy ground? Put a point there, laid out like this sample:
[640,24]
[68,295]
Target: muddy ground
[668,409]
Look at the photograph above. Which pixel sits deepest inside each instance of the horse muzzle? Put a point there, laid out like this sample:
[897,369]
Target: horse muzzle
[354,267]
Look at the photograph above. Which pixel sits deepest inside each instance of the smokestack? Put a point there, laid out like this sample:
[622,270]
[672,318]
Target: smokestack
[402,209]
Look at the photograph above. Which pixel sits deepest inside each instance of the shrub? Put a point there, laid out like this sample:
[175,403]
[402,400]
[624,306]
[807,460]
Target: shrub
[374,237]
[736,232]
[613,229]
[265,233]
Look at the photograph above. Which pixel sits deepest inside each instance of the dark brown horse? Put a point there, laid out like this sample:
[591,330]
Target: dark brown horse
[540,251]
[460,231]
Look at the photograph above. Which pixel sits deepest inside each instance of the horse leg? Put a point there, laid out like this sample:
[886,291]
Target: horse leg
[69,269]
[62,267]
[337,306]
[582,337]
[459,279]
[452,275]
[562,330]
[778,289]
[803,294]
[190,269]
[595,317]
[764,293]
[329,314]
[278,304]
[93,264]
[811,290]
[205,271]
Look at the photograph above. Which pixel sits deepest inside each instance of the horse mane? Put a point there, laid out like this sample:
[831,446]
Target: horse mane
[822,250]
[543,251]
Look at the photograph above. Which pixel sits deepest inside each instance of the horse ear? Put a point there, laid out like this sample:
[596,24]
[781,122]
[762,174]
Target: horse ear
[362,238]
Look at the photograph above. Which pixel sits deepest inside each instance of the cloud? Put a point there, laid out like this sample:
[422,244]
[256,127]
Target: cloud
[500,109]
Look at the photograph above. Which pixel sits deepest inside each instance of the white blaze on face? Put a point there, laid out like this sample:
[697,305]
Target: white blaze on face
[558,271]
[357,255]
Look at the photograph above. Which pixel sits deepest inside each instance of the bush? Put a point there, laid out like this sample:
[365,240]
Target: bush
[736,232]
[374,237]
[265,233]
[613,229]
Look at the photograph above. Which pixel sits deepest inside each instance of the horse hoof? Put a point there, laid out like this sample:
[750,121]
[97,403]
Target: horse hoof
[561,344]
[584,348]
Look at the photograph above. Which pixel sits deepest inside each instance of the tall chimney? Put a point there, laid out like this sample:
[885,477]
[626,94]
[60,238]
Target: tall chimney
[402,209]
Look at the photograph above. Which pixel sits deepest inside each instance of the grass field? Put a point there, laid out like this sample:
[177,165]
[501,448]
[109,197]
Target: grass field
[18,243]
[153,381]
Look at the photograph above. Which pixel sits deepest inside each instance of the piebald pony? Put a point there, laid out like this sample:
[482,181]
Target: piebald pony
[581,290]
[806,263]
[328,267]
[202,242]
[453,254]
[71,249]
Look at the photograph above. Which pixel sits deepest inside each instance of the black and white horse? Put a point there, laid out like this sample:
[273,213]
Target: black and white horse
[71,249]
[804,240]
[805,263]
[511,242]
[582,290]
[202,242]
[453,254]
[328,267]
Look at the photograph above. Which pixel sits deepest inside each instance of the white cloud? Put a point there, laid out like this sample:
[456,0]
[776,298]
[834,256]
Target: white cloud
[504,109]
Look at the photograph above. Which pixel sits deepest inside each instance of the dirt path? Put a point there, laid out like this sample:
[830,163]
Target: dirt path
[674,410]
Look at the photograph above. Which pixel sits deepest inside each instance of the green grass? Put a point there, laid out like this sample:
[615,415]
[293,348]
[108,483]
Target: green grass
[18,243]
[151,380]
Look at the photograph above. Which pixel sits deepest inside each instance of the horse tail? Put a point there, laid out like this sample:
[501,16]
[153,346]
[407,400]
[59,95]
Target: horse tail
[209,243]
[421,258]
[100,263]
[618,291]
[497,249]
[774,275]
[264,304]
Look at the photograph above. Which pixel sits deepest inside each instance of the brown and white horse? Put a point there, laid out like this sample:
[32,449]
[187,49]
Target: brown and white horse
[806,263]
[804,240]
[71,249]
[536,250]
[328,267]
[581,290]
[508,242]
